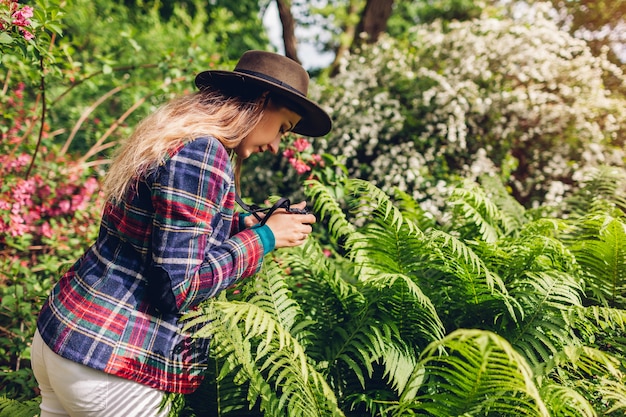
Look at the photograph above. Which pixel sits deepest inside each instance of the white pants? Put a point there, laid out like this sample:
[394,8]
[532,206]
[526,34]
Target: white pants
[69,389]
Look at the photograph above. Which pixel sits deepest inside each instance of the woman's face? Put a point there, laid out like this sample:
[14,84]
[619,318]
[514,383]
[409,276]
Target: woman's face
[266,136]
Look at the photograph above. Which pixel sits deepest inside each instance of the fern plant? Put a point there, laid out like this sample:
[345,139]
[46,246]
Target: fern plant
[15,408]
[493,311]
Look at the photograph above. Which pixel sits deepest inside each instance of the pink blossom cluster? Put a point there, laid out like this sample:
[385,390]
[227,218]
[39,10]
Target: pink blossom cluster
[54,192]
[300,156]
[28,205]
[15,101]
[19,17]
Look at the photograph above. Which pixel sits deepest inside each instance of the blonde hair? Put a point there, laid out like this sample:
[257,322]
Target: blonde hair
[205,113]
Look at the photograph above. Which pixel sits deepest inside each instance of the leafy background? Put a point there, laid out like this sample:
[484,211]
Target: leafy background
[469,256]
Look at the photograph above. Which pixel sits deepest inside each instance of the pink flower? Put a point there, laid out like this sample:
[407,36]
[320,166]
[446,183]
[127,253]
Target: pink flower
[23,191]
[79,202]
[299,165]
[32,216]
[27,12]
[301,144]
[44,192]
[20,17]
[91,185]
[46,230]
[26,34]
[316,159]
[17,227]
[65,206]
[19,91]
[289,153]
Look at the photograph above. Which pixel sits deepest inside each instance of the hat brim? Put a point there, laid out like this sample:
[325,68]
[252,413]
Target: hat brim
[315,121]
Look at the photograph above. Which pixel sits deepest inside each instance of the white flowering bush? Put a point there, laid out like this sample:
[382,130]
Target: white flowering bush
[518,96]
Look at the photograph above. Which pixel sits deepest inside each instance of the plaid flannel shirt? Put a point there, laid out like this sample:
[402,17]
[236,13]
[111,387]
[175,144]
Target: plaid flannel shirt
[171,244]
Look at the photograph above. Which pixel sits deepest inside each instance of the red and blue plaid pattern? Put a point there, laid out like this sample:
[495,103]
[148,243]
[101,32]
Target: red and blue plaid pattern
[171,244]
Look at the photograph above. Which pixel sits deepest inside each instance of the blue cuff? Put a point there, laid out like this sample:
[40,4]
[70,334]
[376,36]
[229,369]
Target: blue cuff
[242,218]
[267,237]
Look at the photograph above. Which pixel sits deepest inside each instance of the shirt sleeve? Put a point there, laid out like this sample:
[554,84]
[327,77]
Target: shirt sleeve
[238,223]
[194,255]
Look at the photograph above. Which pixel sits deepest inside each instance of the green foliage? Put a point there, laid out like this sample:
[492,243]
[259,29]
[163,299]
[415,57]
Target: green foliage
[257,341]
[103,75]
[479,374]
[597,240]
[13,408]
[407,14]
[405,316]
[45,222]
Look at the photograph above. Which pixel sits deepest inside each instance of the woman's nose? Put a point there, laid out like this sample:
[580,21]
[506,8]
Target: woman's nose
[273,146]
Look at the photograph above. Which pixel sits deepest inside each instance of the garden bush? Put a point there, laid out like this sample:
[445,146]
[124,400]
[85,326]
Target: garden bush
[498,310]
[515,96]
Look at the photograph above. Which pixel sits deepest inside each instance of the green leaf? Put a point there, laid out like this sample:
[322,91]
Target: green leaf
[5,38]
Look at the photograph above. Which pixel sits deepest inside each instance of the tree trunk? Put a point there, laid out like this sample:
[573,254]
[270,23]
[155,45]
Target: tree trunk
[349,30]
[373,21]
[289,32]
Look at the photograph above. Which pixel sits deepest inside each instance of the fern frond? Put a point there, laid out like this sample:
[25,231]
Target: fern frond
[594,374]
[512,213]
[545,297]
[370,199]
[278,371]
[272,294]
[461,260]
[15,408]
[413,212]
[614,392]
[605,184]
[349,333]
[473,372]
[327,207]
[398,364]
[383,255]
[410,309]
[603,318]
[475,210]
[232,349]
[565,401]
[390,246]
[601,252]
[588,362]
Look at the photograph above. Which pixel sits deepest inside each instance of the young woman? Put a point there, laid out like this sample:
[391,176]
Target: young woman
[108,341]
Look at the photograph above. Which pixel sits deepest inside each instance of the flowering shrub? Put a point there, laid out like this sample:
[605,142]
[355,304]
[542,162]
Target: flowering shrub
[49,204]
[46,221]
[285,175]
[517,97]
[28,205]
[15,21]
[300,156]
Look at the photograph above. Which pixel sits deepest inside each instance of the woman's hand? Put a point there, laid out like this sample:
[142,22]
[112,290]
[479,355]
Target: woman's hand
[290,229]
